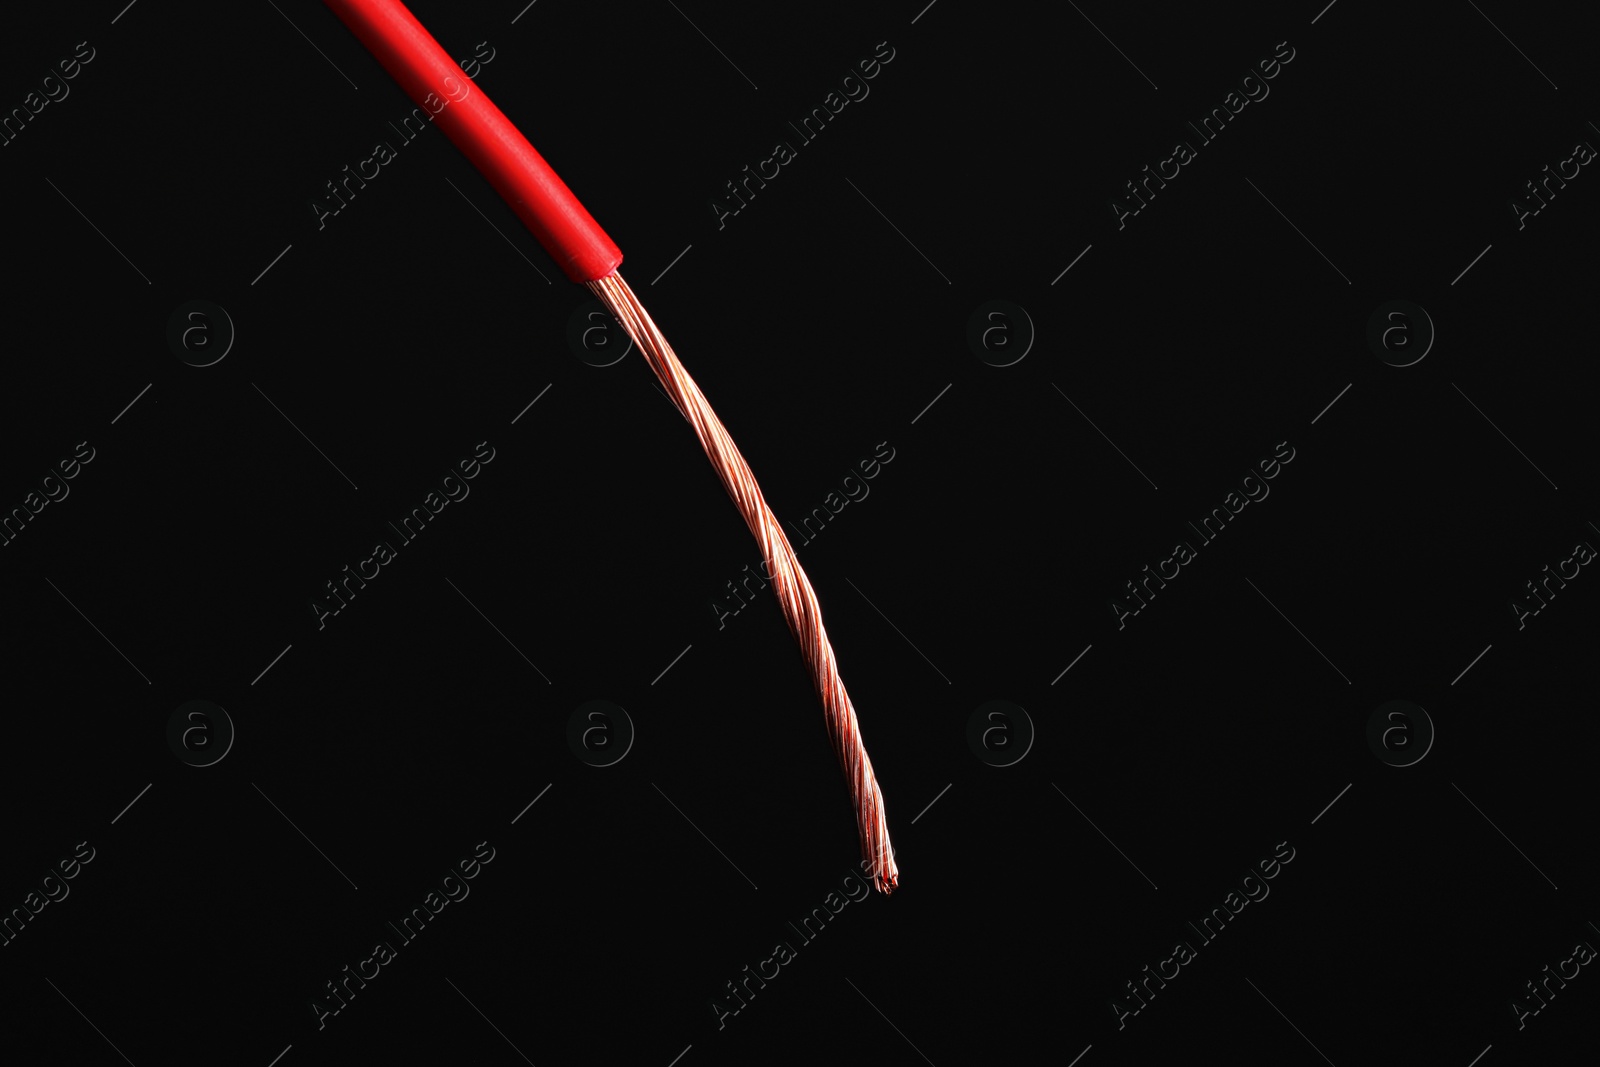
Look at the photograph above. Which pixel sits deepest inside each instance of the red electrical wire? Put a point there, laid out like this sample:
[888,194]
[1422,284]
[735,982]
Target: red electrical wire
[576,242]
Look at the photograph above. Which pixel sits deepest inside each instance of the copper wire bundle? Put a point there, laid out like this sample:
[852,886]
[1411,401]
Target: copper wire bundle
[588,256]
[793,588]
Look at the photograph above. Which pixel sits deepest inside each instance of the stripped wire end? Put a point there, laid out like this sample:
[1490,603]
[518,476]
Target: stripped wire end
[794,591]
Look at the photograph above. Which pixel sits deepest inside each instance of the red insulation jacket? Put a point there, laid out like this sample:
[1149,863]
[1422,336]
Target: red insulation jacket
[483,133]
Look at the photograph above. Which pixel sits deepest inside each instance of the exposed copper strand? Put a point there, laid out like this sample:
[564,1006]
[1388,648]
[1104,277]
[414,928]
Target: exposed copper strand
[793,589]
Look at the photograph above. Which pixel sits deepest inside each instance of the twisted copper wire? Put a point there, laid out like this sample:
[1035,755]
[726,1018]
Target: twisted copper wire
[794,592]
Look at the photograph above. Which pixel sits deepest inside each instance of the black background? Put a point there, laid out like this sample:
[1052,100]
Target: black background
[820,321]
